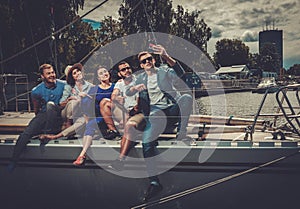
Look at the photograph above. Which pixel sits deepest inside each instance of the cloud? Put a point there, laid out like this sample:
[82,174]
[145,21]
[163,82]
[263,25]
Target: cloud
[289,5]
[110,8]
[243,1]
[249,36]
[226,23]
[246,23]
[291,35]
[217,32]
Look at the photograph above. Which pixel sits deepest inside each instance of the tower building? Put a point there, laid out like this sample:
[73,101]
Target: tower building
[274,37]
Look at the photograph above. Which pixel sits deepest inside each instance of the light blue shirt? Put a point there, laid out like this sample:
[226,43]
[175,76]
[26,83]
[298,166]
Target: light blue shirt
[73,91]
[43,94]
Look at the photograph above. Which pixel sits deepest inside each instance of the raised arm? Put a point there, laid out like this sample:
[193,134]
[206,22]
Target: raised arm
[158,49]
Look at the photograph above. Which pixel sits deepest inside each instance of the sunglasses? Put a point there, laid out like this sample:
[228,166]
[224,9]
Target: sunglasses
[124,69]
[149,59]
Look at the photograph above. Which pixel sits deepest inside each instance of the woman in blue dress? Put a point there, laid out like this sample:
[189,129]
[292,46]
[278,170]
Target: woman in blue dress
[96,103]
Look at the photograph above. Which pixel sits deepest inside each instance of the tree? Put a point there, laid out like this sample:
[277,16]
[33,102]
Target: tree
[110,30]
[75,43]
[158,16]
[147,15]
[294,70]
[190,27]
[254,61]
[25,22]
[231,52]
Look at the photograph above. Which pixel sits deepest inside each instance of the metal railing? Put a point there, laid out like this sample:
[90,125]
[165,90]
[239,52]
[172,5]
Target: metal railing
[288,113]
[21,90]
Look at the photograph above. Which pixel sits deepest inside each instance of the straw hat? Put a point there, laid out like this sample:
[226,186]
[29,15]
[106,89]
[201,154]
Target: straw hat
[76,66]
[67,69]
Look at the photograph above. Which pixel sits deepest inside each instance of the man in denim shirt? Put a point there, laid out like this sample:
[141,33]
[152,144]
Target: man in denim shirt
[162,105]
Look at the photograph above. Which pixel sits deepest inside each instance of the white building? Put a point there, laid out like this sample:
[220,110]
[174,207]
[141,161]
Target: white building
[237,71]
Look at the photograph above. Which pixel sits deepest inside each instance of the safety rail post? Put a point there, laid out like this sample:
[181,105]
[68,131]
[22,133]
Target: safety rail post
[250,129]
[22,80]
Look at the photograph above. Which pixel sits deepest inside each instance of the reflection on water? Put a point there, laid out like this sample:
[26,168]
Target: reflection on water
[240,104]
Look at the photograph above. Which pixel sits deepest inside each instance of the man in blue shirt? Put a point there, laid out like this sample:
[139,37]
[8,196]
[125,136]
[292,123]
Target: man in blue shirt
[45,97]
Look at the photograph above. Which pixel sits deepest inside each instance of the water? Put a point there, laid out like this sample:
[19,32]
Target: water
[240,104]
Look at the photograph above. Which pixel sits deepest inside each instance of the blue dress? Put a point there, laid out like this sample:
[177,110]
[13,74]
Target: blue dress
[91,107]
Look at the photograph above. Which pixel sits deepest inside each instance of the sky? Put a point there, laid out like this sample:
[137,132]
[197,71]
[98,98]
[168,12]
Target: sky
[234,19]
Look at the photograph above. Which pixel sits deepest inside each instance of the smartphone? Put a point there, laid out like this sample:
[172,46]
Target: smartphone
[151,47]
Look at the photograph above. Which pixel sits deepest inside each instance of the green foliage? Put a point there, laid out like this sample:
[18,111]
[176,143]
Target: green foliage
[147,15]
[254,61]
[294,70]
[25,22]
[190,27]
[231,52]
[159,16]
[110,30]
[74,45]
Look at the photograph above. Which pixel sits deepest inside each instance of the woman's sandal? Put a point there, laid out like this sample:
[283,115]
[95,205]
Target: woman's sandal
[80,161]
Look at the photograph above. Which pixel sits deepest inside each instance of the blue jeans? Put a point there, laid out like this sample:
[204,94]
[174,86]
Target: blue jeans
[157,122]
[45,122]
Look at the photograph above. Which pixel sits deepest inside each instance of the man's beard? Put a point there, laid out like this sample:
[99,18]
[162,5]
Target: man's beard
[129,78]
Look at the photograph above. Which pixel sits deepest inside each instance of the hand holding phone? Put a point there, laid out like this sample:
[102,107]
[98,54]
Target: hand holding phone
[157,49]
[152,47]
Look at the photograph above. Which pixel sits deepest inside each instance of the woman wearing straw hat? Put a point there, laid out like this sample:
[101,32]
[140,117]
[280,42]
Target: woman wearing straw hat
[74,91]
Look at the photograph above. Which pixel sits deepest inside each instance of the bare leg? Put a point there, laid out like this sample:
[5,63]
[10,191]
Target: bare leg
[127,139]
[126,145]
[87,141]
[106,112]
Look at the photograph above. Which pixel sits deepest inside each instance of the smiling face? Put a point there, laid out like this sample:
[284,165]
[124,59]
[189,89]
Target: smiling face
[124,70]
[77,74]
[103,75]
[49,75]
[147,62]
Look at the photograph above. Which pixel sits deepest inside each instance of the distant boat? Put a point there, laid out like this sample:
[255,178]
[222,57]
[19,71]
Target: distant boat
[266,84]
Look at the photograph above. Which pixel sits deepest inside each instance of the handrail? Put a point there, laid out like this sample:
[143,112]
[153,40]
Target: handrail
[20,82]
[250,129]
[292,117]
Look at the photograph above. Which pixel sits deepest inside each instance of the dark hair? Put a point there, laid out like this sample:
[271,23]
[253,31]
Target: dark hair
[43,67]
[142,54]
[122,63]
[70,79]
